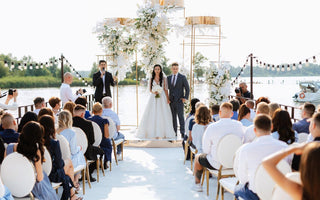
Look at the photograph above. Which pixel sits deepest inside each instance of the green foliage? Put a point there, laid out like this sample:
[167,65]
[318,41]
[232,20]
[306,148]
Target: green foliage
[199,59]
[164,64]
[94,69]
[127,82]
[3,70]
[132,73]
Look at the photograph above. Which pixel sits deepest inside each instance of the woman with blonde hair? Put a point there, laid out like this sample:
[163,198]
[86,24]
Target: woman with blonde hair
[69,106]
[309,171]
[203,119]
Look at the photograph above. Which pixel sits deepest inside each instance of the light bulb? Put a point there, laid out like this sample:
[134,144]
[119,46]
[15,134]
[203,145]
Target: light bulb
[37,67]
[12,65]
[294,67]
[314,60]
[282,69]
[5,64]
[300,66]
[30,67]
[288,68]
[307,64]
[272,69]
[79,78]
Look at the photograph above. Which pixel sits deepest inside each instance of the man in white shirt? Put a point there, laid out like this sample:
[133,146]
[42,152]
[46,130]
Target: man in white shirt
[38,104]
[249,134]
[252,154]
[65,90]
[14,105]
[210,140]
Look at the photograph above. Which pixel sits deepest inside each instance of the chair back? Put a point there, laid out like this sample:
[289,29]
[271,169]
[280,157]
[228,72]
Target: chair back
[97,134]
[112,127]
[47,164]
[81,138]
[64,146]
[302,137]
[236,160]
[18,174]
[2,189]
[226,149]
[279,193]
[264,184]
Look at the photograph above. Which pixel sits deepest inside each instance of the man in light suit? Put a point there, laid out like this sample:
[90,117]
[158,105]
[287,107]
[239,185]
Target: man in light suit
[178,93]
[102,81]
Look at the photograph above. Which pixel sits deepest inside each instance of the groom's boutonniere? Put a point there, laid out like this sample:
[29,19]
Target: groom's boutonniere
[157,89]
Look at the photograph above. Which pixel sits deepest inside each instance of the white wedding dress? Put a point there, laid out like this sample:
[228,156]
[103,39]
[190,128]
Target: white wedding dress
[156,122]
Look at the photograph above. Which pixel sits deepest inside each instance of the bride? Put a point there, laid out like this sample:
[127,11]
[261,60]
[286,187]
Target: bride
[156,122]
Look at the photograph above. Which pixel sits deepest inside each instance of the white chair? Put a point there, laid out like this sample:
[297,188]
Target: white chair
[97,140]
[302,137]
[115,143]
[186,144]
[2,189]
[279,193]
[81,138]
[226,149]
[66,155]
[18,174]
[193,152]
[264,184]
[47,164]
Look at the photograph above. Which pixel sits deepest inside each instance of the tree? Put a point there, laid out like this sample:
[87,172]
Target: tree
[94,69]
[199,60]
[4,71]
[132,73]
[164,64]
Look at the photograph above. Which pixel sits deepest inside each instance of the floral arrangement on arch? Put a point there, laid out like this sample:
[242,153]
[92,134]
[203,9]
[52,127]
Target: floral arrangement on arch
[152,28]
[119,41]
[218,80]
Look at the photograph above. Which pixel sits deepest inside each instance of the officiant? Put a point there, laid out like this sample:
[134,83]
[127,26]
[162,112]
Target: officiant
[102,81]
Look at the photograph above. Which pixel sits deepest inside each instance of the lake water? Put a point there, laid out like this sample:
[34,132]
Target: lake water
[279,89]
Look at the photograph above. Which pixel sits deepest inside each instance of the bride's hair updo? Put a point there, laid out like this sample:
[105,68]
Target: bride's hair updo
[154,74]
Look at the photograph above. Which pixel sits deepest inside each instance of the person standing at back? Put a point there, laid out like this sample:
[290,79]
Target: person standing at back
[65,90]
[178,93]
[102,81]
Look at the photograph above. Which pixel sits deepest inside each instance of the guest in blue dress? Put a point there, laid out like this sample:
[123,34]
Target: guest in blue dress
[31,146]
[235,107]
[282,127]
[105,144]
[244,115]
[61,171]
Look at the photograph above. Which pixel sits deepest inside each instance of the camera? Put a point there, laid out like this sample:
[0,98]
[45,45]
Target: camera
[10,91]
[83,91]
[238,90]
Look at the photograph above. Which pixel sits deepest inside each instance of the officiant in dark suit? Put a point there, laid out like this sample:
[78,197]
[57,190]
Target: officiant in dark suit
[102,81]
[178,93]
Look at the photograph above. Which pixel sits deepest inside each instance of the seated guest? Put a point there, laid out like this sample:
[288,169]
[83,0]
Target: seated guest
[69,106]
[309,172]
[45,111]
[30,145]
[249,134]
[86,126]
[38,104]
[314,132]
[252,154]
[65,129]
[62,171]
[244,115]
[5,192]
[211,138]
[1,113]
[108,112]
[9,124]
[215,112]
[193,109]
[105,144]
[273,107]
[55,104]
[250,105]
[202,119]
[302,126]
[192,121]
[27,117]
[83,101]
[235,104]
[263,99]
[282,127]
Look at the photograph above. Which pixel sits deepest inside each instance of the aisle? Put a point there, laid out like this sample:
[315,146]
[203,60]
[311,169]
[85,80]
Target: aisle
[147,174]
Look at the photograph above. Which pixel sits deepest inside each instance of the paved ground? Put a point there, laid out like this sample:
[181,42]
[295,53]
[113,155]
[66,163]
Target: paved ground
[150,173]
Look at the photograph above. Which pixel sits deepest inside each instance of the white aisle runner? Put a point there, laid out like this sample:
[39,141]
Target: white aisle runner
[148,174]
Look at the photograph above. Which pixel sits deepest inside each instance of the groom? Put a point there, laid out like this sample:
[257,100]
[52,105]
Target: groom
[178,94]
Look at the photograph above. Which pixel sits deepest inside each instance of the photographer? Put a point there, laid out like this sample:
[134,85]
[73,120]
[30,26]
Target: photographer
[65,90]
[242,92]
[11,94]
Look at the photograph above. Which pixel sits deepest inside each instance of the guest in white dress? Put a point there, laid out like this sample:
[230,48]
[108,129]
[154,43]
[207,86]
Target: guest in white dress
[202,119]
[156,122]
[244,115]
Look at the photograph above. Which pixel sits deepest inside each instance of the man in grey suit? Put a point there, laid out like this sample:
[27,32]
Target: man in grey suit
[178,93]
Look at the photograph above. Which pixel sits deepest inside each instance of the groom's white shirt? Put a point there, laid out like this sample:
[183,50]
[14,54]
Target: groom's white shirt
[173,78]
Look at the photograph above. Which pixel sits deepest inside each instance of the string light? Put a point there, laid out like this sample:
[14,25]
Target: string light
[12,65]
[307,63]
[5,64]
[294,66]
[300,65]
[288,68]
[273,68]
[268,68]
[314,60]
[278,68]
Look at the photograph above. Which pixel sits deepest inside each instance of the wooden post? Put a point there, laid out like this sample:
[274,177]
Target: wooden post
[251,75]
[62,68]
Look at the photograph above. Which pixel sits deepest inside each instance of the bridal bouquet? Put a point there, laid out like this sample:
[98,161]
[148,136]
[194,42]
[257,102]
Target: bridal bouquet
[158,89]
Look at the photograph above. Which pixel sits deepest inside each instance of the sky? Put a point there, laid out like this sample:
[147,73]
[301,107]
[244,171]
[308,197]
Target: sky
[275,31]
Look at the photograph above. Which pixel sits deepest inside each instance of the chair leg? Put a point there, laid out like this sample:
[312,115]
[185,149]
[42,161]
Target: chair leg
[203,175]
[115,153]
[83,181]
[88,176]
[222,193]
[102,165]
[186,145]
[218,187]
[98,163]
[207,177]
[110,165]
[122,144]
[191,160]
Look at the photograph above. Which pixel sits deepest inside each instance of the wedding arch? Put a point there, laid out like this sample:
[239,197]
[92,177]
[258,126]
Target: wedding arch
[124,39]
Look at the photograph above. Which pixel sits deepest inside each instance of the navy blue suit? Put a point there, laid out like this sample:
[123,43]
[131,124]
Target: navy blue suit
[176,93]
[9,136]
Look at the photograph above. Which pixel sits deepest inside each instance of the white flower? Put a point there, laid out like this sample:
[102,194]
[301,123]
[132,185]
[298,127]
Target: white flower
[157,88]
